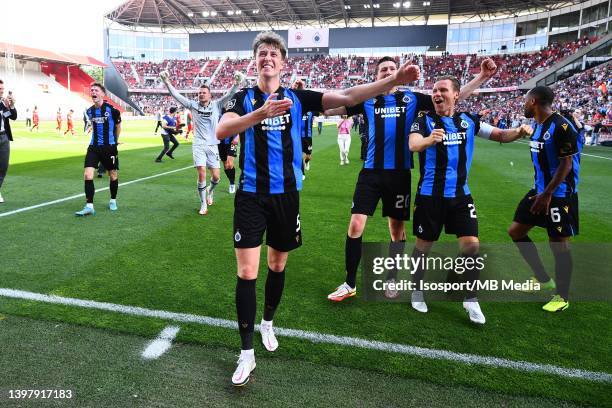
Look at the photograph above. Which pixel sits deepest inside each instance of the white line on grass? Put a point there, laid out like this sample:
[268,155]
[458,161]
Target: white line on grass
[316,337]
[161,344]
[61,200]
[582,154]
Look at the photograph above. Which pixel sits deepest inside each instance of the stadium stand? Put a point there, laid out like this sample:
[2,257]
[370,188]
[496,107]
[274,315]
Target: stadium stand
[333,72]
[51,80]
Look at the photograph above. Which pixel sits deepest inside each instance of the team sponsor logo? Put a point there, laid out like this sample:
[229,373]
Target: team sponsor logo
[277,123]
[406,99]
[99,119]
[390,112]
[546,135]
[237,236]
[231,104]
[415,127]
[536,146]
[454,138]
[464,124]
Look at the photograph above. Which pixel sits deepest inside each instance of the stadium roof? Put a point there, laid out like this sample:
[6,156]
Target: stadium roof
[35,54]
[231,15]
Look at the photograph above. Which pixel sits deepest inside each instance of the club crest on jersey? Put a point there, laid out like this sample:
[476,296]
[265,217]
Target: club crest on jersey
[464,124]
[231,104]
[406,99]
[237,236]
[546,136]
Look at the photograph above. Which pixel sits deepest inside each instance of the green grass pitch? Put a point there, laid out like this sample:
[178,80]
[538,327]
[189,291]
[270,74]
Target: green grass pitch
[157,253]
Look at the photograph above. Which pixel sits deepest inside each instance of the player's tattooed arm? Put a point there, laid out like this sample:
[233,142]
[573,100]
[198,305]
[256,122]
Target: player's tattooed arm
[488,69]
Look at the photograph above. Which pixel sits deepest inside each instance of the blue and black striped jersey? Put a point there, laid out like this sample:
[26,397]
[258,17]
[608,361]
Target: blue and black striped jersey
[271,151]
[388,119]
[104,121]
[445,166]
[555,138]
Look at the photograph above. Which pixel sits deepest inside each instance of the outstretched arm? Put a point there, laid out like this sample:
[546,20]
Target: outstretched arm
[175,94]
[239,78]
[488,69]
[406,74]
[505,135]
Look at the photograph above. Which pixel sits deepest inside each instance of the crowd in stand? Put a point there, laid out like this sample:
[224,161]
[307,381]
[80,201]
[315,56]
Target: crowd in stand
[334,72]
[587,92]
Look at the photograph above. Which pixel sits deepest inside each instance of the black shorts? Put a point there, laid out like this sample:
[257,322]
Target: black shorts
[456,215]
[307,145]
[562,218]
[278,215]
[107,155]
[392,186]
[226,150]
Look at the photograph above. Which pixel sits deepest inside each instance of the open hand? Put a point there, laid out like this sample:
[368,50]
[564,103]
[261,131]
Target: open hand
[274,107]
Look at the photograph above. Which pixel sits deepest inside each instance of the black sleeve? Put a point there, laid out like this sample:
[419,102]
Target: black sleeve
[476,119]
[420,126]
[424,102]
[354,110]
[116,115]
[565,138]
[236,104]
[312,101]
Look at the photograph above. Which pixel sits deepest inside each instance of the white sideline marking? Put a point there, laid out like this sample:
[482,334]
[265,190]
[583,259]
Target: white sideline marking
[161,344]
[61,200]
[582,154]
[316,337]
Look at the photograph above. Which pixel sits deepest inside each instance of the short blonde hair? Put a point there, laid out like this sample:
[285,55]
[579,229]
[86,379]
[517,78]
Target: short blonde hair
[271,38]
